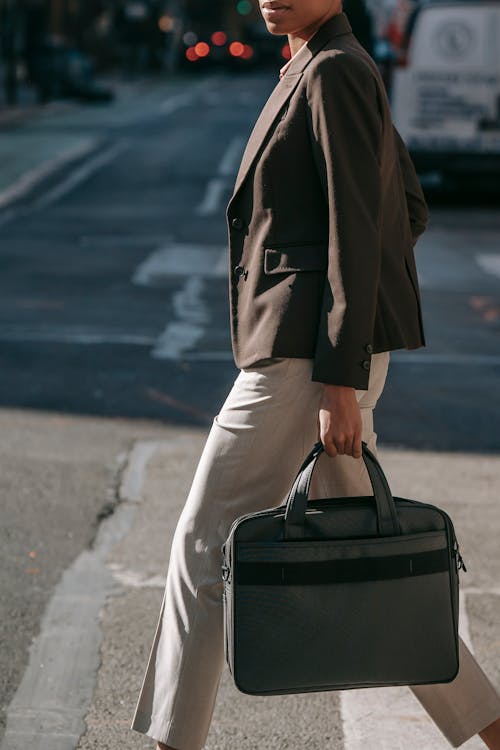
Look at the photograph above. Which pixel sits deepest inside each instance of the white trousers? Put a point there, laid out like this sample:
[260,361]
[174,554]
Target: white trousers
[257,442]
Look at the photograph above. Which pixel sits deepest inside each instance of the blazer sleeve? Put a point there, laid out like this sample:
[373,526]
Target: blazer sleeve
[417,206]
[345,128]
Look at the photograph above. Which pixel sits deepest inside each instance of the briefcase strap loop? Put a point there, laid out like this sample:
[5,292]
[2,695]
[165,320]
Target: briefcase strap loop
[387,519]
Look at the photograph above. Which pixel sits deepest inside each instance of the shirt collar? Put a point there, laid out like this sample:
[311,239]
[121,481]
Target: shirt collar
[285,67]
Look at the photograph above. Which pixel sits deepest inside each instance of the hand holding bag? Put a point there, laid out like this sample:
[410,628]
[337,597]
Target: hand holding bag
[341,593]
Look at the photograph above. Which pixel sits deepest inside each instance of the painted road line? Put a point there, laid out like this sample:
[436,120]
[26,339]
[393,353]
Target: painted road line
[192,318]
[174,103]
[212,198]
[217,185]
[30,179]
[490,263]
[56,691]
[477,361]
[473,360]
[191,314]
[176,259]
[81,174]
[183,99]
[68,335]
[215,356]
[229,161]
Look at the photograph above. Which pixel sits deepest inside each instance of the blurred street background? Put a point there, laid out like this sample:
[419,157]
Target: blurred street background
[122,125]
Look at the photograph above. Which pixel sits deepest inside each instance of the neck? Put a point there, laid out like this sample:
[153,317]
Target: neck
[297,39]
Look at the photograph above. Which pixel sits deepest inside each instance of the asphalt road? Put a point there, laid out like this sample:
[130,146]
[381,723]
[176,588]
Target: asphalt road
[114,329]
[114,286]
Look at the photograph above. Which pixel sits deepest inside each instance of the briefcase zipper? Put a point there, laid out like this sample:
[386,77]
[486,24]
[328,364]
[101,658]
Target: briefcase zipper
[458,557]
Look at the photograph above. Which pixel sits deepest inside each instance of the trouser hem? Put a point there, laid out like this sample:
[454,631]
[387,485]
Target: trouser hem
[161,731]
[472,724]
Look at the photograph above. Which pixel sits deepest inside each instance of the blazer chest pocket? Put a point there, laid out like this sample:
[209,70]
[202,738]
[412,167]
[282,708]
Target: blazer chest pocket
[291,258]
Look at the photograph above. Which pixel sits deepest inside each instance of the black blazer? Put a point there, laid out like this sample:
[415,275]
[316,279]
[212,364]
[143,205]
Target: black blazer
[323,218]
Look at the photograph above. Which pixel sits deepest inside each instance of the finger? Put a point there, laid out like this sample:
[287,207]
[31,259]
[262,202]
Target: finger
[329,446]
[349,445]
[340,444]
[356,445]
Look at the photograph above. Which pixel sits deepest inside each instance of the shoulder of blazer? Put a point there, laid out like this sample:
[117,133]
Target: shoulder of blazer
[337,65]
[345,75]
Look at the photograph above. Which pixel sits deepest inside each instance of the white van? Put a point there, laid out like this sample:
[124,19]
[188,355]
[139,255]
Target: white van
[446,101]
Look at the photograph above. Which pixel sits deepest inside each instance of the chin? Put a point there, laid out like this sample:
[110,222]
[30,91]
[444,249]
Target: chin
[278,29]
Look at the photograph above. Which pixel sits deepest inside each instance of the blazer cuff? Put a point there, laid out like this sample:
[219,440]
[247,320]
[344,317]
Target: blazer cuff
[337,371]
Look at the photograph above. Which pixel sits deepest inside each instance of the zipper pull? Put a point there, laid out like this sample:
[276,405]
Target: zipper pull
[461,563]
[458,558]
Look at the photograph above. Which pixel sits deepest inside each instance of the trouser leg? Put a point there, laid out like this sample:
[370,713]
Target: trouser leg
[257,442]
[463,707]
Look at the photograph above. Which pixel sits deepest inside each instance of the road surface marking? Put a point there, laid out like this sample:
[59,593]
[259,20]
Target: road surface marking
[81,174]
[490,263]
[59,335]
[475,360]
[181,260]
[30,179]
[217,185]
[180,100]
[175,103]
[213,194]
[229,161]
[191,314]
[216,356]
[192,319]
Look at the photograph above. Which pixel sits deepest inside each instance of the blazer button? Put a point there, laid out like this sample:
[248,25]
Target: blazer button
[237,223]
[369,348]
[366,364]
[239,270]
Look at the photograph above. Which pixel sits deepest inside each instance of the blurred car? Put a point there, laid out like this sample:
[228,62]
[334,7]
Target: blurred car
[446,96]
[63,71]
[252,46]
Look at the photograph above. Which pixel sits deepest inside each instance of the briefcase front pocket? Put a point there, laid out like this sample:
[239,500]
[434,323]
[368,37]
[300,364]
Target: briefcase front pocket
[300,612]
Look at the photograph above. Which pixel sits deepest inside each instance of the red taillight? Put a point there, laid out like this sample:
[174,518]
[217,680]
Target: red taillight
[219,38]
[403,60]
[236,49]
[202,49]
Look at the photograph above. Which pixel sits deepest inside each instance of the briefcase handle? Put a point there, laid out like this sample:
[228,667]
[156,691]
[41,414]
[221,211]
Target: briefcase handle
[387,518]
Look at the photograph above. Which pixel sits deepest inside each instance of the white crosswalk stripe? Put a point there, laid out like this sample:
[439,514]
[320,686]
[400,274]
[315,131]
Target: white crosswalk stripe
[192,317]
[489,262]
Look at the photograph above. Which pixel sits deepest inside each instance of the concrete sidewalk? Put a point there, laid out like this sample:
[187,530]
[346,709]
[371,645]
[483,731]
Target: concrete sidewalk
[466,486]
[87,663]
[133,553]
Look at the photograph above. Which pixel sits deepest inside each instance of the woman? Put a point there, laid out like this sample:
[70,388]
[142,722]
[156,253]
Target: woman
[322,222]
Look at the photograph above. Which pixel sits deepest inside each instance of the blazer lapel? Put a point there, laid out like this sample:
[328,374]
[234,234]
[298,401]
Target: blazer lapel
[336,25]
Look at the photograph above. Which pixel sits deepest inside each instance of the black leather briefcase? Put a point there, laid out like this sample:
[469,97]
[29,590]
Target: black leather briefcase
[340,593]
